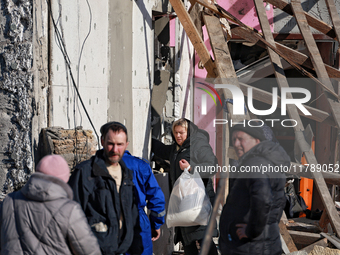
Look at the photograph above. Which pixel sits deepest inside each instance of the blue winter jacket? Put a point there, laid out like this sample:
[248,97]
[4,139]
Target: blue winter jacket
[149,194]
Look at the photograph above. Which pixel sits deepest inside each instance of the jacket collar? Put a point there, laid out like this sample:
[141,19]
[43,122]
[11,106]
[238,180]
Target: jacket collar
[45,186]
[100,169]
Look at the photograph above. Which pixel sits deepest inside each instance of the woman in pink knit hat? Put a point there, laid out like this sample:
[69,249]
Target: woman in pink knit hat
[42,218]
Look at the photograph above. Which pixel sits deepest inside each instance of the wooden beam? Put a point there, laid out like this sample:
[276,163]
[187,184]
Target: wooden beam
[304,238]
[225,74]
[286,237]
[312,21]
[333,13]
[225,68]
[334,241]
[292,111]
[225,14]
[299,57]
[223,60]
[192,2]
[334,104]
[309,248]
[300,225]
[323,222]
[335,107]
[194,37]
[316,58]
[284,246]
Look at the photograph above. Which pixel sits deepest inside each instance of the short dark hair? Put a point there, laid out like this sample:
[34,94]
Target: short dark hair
[115,126]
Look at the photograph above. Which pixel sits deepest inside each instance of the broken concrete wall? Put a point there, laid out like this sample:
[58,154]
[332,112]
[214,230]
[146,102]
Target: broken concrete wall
[16,88]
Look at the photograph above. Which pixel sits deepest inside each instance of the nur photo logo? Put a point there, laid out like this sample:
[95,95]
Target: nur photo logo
[239,102]
[204,97]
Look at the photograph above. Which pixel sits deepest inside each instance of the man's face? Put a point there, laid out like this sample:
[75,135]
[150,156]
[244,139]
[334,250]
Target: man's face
[114,144]
[242,142]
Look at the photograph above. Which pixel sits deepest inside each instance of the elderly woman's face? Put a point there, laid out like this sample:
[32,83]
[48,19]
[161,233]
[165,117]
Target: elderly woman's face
[180,134]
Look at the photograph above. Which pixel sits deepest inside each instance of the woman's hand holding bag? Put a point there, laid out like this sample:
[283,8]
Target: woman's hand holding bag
[188,205]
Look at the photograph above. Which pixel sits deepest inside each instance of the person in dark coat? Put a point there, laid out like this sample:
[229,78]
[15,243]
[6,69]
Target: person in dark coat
[191,150]
[104,187]
[42,218]
[250,217]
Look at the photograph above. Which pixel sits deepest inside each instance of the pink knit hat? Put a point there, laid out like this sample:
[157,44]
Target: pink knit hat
[54,165]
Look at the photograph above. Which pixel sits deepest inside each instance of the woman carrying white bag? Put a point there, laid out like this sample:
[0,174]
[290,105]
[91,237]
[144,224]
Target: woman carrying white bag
[191,149]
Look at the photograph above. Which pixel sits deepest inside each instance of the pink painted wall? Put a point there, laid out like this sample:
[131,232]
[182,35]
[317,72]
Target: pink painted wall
[245,11]
[172,28]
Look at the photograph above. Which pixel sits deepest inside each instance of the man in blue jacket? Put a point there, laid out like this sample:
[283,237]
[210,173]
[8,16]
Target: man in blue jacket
[103,185]
[149,194]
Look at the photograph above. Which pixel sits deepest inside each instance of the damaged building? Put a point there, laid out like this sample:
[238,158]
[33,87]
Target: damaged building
[68,67]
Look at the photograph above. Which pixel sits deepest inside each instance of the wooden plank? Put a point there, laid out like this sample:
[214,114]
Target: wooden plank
[316,58]
[324,193]
[334,241]
[333,13]
[323,222]
[312,21]
[224,13]
[196,16]
[194,37]
[299,57]
[301,224]
[284,246]
[335,107]
[309,248]
[266,97]
[292,111]
[286,237]
[304,238]
[321,73]
[223,60]
[225,74]
[192,2]
[284,218]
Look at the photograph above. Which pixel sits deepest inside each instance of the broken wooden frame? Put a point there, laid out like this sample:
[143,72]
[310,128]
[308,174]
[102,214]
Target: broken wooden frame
[222,68]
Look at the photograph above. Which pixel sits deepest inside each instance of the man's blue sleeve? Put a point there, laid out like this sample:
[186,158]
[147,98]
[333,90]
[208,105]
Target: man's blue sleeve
[155,197]
[148,192]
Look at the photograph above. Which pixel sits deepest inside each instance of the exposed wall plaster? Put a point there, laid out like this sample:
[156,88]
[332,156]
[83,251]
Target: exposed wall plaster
[16,87]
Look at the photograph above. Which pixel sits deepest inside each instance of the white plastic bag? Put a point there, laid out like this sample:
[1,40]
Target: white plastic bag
[188,205]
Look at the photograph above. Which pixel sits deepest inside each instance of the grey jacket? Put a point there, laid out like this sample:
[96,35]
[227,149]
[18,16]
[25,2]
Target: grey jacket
[42,218]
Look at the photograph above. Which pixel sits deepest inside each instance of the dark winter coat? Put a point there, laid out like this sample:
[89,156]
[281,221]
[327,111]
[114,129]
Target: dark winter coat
[42,218]
[198,152]
[96,191]
[256,199]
